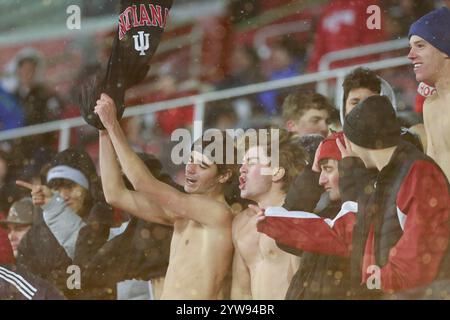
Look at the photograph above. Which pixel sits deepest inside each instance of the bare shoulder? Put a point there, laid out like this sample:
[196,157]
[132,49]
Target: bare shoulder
[221,212]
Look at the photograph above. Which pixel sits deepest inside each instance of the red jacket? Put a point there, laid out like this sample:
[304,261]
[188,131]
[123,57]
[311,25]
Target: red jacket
[423,212]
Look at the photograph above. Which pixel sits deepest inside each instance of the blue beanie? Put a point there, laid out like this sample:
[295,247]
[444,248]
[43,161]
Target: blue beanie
[434,27]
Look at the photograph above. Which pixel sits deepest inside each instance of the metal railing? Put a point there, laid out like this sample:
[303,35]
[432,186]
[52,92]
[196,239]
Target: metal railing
[356,52]
[199,101]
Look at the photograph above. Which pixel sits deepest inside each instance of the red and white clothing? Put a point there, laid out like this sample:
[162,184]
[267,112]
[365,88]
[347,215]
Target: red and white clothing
[423,91]
[422,210]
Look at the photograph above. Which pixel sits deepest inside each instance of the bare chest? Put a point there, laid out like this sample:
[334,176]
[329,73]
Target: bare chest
[255,246]
[437,124]
[187,235]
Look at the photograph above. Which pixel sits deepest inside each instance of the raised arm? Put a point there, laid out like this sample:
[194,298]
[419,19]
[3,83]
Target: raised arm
[173,202]
[116,193]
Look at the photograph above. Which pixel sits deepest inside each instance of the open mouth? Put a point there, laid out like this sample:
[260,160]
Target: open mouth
[417,66]
[190,181]
[242,181]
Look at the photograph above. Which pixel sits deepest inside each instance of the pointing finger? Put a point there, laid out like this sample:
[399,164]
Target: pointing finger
[24,184]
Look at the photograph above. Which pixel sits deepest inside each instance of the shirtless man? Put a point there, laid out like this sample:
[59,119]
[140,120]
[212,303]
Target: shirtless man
[201,249]
[429,38]
[261,270]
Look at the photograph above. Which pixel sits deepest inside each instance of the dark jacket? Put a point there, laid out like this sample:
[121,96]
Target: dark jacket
[141,252]
[411,186]
[19,284]
[403,228]
[321,276]
[40,254]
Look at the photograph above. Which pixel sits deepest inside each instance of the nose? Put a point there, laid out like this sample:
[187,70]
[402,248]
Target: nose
[243,168]
[412,54]
[323,180]
[190,168]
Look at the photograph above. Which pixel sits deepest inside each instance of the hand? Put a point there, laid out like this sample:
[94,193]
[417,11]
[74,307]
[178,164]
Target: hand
[259,213]
[106,110]
[346,151]
[315,167]
[40,194]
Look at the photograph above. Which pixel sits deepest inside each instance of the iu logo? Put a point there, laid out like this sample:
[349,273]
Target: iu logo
[141,42]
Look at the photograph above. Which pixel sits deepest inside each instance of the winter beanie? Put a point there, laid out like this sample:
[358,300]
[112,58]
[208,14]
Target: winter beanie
[434,27]
[372,124]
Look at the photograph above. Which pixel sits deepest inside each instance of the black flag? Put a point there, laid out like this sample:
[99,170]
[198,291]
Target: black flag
[141,25]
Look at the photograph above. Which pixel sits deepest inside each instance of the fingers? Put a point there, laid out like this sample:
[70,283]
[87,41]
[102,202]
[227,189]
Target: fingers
[257,210]
[106,98]
[259,213]
[347,144]
[24,184]
[315,166]
[38,192]
[260,218]
[36,189]
[341,147]
[254,208]
[104,107]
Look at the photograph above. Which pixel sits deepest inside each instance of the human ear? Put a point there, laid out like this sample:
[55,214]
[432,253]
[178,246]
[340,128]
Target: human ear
[223,178]
[278,174]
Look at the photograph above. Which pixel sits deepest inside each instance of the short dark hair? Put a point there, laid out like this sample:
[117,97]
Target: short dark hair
[222,167]
[296,104]
[361,78]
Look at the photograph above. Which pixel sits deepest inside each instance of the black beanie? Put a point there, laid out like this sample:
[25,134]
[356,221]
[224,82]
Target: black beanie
[372,124]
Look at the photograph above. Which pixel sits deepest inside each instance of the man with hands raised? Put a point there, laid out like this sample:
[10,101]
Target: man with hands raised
[201,248]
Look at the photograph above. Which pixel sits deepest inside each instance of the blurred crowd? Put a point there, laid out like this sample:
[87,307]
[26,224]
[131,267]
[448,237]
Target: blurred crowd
[124,255]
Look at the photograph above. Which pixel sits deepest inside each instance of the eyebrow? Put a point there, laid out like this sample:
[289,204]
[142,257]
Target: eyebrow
[205,164]
[418,42]
[201,162]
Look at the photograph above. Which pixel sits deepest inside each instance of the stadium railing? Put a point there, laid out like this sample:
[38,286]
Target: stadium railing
[64,126]
[322,87]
